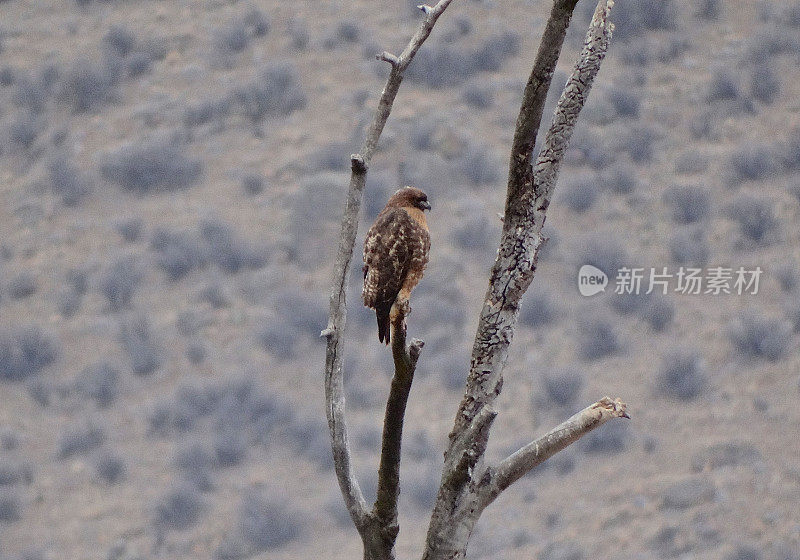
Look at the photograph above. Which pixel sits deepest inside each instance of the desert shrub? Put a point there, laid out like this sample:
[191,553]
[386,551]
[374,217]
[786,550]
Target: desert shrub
[215,296]
[253,183]
[787,275]
[764,84]
[39,391]
[265,521]
[756,336]
[196,464]
[67,182]
[230,448]
[579,192]
[611,437]
[563,387]
[139,345]
[151,166]
[298,32]
[228,252]
[345,32]
[21,285]
[478,97]
[179,252]
[276,92]
[333,156]
[79,440]
[10,507]
[23,129]
[596,338]
[538,309]
[722,87]
[130,229]
[708,10]
[727,454]
[12,473]
[604,252]
[196,352]
[480,165]
[89,85]
[309,436]
[688,204]
[750,162]
[179,509]
[446,65]
[687,493]
[7,76]
[491,54]
[703,126]
[204,112]
[424,486]
[562,551]
[120,40]
[619,178]
[99,382]
[690,162]
[9,440]
[110,468]
[625,102]
[68,302]
[744,552]
[682,375]
[119,281]
[688,246]
[639,144]
[33,92]
[256,22]
[24,351]
[138,63]
[658,312]
[639,16]
[755,217]
[231,38]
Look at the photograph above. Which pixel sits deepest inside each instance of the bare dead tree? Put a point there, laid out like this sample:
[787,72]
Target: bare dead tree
[468,486]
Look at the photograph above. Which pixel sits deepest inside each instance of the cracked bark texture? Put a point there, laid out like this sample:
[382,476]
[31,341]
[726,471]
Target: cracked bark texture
[467,485]
[530,187]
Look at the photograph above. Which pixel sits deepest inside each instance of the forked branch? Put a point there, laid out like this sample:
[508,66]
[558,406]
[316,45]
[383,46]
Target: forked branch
[334,384]
[461,499]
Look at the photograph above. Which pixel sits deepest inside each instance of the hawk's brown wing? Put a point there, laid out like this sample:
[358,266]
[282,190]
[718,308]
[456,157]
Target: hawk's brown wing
[387,256]
[393,246]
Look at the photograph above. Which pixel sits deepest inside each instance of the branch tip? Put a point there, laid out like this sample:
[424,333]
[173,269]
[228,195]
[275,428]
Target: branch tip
[615,407]
[390,58]
[326,333]
[425,8]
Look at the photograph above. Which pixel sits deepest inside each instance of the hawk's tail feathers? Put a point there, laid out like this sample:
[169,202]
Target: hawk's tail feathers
[384,323]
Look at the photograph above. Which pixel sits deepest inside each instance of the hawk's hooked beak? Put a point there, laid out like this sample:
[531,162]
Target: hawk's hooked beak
[425,205]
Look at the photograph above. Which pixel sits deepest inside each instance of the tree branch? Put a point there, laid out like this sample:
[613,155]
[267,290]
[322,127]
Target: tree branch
[334,384]
[405,363]
[529,193]
[533,100]
[516,465]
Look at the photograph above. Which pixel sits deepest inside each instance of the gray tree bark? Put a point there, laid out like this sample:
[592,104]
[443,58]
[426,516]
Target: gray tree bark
[467,485]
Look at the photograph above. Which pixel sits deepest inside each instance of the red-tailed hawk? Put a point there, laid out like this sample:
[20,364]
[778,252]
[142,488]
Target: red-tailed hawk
[395,254]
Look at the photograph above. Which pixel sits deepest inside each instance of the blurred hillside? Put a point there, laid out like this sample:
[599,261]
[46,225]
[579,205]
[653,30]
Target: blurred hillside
[171,180]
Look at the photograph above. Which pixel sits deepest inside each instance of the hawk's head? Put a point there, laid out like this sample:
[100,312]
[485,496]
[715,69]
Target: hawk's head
[409,197]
